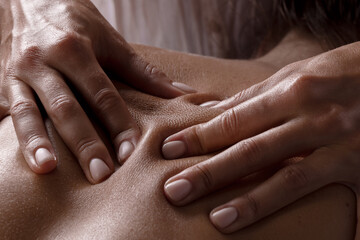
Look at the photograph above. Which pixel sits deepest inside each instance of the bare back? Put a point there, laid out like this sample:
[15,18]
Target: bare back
[131,203]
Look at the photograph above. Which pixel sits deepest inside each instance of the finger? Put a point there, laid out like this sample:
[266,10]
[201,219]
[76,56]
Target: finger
[30,129]
[253,91]
[73,125]
[104,99]
[242,96]
[4,107]
[141,74]
[286,186]
[244,158]
[229,127]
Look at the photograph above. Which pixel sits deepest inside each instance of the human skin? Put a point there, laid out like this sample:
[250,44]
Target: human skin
[131,204]
[54,50]
[309,108]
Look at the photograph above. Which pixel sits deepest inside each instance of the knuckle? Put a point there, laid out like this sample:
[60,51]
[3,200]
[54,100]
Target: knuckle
[318,124]
[23,108]
[234,157]
[84,144]
[32,52]
[307,87]
[72,43]
[229,123]
[338,116]
[30,139]
[10,72]
[205,175]
[29,58]
[294,178]
[304,81]
[240,97]
[333,115]
[199,138]
[106,99]
[252,205]
[298,86]
[249,149]
[62,107]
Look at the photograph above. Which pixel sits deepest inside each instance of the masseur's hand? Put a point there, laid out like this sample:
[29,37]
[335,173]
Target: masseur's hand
[310,108]
[50,48]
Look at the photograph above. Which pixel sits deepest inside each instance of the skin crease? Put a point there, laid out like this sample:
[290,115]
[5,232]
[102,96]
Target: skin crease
[314,114]
[49,50]
[309,108]
[130,204]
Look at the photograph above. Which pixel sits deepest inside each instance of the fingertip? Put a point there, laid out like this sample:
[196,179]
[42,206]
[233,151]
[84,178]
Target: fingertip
[183,87]
[167,89]
[43,156]
[125,150]
[99,170]
[149,78]
[177,190]
[44,161]
[48,166]
[126,142]
[174,149]
[223,218]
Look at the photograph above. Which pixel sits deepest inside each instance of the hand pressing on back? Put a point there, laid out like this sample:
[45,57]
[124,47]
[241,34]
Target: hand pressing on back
[49,48]
[308,109]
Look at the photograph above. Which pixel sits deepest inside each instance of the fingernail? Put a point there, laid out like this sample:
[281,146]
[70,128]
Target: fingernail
[183,87]
[224,217]
[178,190]
[98,169]
[209,104]
[42,156]
[173,149]
[125,149]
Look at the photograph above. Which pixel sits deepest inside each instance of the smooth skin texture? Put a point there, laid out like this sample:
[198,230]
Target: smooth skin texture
[53,56]
[131,204]
[308,109]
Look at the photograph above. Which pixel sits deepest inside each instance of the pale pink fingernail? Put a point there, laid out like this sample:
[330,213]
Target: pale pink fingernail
[174,149]
[125,150]
[209,104]
[178,189]
[184,87]
[43,156]
[224,217]
[98,169]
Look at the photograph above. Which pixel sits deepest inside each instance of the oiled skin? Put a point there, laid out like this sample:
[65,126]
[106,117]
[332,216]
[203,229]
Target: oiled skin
[131,203]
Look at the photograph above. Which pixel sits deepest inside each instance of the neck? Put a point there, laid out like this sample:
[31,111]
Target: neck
[295,46]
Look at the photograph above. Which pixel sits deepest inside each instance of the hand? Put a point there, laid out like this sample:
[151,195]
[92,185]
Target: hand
[49,48]
[310,108]
[4,107]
